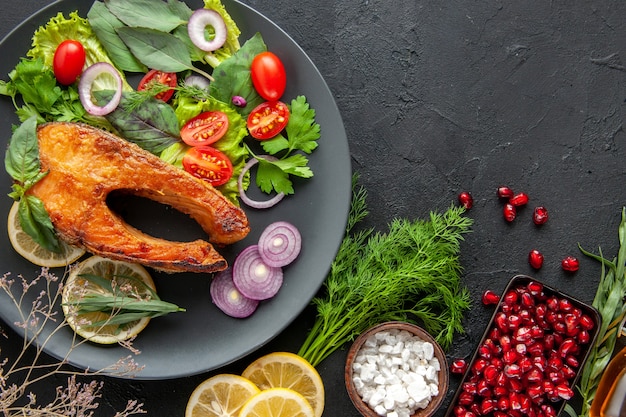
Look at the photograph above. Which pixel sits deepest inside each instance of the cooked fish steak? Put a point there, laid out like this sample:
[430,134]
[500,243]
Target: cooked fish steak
[85,164]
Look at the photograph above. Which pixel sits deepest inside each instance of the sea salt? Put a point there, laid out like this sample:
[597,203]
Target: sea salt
[396,373]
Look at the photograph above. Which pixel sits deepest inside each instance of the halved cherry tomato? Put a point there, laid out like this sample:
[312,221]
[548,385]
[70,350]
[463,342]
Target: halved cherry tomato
[205,129]
[155,76]
[268,76]
[209,164]
[68,61]
[268,119]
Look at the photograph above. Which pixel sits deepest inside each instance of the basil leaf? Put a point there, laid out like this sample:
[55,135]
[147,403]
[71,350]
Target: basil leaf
[232,76]
[151,124]
[105,25]
[145,13]
[22,156]
[157,50]
[180,9]
[36,222]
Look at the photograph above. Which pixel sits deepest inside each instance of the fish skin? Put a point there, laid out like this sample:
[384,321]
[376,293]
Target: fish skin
[86,164]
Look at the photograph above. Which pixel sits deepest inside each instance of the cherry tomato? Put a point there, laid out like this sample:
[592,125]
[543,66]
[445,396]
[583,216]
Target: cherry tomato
[268,119]
[209,164]
[68,61]
[268,76]
[205,129]
[155,76]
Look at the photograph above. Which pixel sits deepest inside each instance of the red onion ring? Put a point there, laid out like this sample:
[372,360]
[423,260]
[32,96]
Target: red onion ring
[253,278]
[197,81]
[198,21]
[242,193]
[228,298]
[280,244]
[84,88]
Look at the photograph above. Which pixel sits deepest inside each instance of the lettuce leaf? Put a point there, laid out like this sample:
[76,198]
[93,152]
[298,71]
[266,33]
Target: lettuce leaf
[232,38]
[231,144]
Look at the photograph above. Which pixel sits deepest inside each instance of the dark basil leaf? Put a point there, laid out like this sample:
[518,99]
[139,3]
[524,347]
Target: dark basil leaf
[22,156]
[151,124]
[36,222]
[156,50]
[232,76]
[105,25]
[145,13]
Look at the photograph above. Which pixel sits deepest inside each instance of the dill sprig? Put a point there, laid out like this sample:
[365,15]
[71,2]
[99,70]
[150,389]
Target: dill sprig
[411,273]
[609,301]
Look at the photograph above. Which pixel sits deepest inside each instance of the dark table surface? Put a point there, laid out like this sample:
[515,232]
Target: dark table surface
[441,97]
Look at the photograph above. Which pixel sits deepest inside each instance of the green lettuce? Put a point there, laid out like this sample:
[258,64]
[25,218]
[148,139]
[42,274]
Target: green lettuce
[231,143]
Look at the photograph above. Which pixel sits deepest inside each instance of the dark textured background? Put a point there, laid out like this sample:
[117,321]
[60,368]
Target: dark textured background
[440,97]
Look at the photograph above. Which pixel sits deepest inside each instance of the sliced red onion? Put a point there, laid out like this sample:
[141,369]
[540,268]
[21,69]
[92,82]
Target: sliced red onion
[242,193]
[85,84]
[197,81]
[253,278]
[228,298]
[198,22]
[280,244]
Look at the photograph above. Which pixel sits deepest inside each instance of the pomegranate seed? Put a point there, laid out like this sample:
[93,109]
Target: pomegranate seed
[502,321]
[490,297]
[564,391]
[505,343]
[521,348]
[503,403]
[525,364]
[570,264]
[540,311]
[459,411]
[480,365]
[572,324]
[568,346]
[540,215]
[510,357]
[519,199]
[535,350]
[555,363]
[516,385]
[548,410]
[552,303]
[491,374]
[548,341]
[535,288]
[483,388]
[487,406]
[565,305]
[523,334]
[514,321]
[484,351]
[568,372]
[572,361]
[586,322]
[527,299]
[534,391]
[515,401]
[584,337]
[458,366]
[465,398]
[504,192]
[497,362]
[534,375]
[512,371]
[540,362]
[509,212]
[500,390]
[466,200]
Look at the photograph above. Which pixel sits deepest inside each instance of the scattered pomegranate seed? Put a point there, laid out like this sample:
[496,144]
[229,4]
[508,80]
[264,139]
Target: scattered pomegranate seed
[458,366]
[505,192]
[540,215]
[519,199]
[535,259]
[490,297]
[466,200]
[570,264]
[510,212]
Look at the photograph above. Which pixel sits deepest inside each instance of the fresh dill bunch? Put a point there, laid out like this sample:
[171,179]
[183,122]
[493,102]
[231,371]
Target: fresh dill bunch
[609,301]
[411,273]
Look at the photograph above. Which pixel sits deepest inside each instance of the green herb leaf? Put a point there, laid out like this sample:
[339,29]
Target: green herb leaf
[36,222]
[271,177]
[22,156]
[302,131]
[232,76]
[105,25]
[145,13]
[151,124]
[157,50]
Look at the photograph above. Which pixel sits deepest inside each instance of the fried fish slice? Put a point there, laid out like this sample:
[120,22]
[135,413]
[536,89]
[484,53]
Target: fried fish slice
[85,164]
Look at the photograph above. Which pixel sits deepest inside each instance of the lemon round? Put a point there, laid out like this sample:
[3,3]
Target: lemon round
[32,251]
[277,402]
[222,395]
[288,370]
[77,287]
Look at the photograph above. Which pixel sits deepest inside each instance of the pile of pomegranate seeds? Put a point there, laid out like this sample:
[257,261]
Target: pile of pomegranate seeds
[529,358]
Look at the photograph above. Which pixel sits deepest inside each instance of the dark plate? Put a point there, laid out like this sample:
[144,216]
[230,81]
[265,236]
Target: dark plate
[203,338]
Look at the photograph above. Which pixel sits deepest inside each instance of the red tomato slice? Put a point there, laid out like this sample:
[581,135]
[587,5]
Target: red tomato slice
[154,76]
[208,164]
[268,119]
[68,61]
[205,129]
[268,76]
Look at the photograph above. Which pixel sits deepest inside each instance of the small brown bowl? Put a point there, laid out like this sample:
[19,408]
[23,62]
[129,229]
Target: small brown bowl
[443,376]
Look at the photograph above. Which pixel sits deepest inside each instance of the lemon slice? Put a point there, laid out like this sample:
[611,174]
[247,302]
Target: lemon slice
[77,287]
[35,253]
[277,402]
[288,370]
[220,396]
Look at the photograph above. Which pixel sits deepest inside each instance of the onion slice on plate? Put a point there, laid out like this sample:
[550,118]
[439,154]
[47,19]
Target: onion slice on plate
[280,244]
[242,193]
[198,22]
[253,278]
[85,85]
[228,298]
